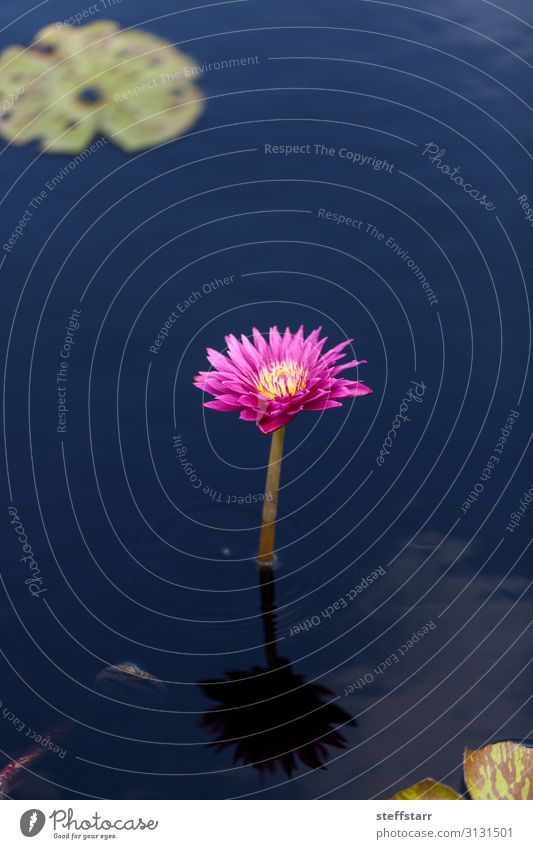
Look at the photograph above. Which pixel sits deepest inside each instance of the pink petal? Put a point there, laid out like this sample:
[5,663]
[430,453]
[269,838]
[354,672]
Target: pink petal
[275,343]
[222,406]
[352,387]
[268,425]
[335,353]
[238,355]
[260,343]
[218,360]
[253,355]
[321,404]
[337,369]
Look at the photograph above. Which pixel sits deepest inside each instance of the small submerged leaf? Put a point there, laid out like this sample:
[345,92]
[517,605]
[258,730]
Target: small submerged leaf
[76,82]
[127,682]
[427,790]
[499,771]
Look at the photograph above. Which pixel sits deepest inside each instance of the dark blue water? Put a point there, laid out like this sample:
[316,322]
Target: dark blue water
[140,564]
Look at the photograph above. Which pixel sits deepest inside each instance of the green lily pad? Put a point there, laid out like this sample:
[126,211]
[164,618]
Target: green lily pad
[74,83]
[427,790]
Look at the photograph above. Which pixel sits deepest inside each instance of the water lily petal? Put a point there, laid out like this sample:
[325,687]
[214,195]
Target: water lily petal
[269,425]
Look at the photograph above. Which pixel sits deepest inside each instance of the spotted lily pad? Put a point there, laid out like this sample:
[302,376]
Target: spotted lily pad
[427,790]
[74,83]
[499,771]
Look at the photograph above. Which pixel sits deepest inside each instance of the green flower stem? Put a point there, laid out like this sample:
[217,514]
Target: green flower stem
[267,536]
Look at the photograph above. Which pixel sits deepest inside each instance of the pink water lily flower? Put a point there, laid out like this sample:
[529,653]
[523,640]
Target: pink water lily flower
[271,382]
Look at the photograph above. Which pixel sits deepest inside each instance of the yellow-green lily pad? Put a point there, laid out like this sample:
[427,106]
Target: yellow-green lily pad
[74,83]
[427,790]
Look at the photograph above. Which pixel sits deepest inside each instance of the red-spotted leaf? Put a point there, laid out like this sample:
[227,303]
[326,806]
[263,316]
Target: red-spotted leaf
[499,771]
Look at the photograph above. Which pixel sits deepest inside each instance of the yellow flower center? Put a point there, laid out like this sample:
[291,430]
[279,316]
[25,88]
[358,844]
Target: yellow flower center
[281,379]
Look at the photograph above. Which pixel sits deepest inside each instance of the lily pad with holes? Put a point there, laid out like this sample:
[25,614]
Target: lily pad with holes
[74,83]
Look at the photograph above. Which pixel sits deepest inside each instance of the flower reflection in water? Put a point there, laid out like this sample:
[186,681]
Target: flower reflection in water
[269,714]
